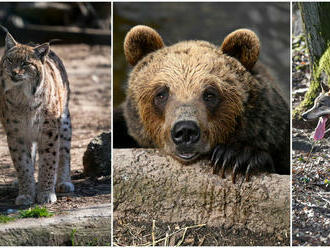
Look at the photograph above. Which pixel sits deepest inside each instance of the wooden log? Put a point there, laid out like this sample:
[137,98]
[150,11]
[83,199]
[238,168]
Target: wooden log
[65,35]
[151,186]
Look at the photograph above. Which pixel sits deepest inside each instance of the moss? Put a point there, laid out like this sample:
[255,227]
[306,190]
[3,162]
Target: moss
[314,88]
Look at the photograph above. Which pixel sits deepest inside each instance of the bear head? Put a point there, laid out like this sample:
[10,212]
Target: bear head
[188,97]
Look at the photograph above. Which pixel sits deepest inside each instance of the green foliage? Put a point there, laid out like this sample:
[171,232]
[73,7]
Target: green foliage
[73,233]
[301,159]
[35,212]
[5,218]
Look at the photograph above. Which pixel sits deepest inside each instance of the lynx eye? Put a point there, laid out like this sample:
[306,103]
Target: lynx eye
[211,97]
[161,97]
[25,64]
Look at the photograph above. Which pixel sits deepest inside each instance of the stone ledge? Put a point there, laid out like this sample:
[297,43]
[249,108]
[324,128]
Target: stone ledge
[86,226]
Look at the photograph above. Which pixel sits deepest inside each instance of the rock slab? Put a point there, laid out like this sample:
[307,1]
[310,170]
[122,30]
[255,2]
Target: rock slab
[88,226]
[97,157]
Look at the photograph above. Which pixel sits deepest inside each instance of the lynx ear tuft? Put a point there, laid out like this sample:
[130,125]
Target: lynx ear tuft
[9,42]
[42,51]
[244,45]
[140,41]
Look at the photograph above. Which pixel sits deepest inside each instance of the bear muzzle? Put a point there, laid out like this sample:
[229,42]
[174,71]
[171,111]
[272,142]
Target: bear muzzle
[185,135]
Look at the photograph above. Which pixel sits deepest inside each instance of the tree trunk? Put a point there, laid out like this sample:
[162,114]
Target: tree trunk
[149,186]
[316,19]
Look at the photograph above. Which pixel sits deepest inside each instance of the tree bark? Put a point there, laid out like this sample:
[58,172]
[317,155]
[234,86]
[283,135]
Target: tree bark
[316,20]
[149,186]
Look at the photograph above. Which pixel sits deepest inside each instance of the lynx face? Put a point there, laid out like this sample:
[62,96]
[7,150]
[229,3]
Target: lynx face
[19,70]
[22,65]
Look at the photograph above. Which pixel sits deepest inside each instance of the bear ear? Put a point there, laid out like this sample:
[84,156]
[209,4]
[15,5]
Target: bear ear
[140,41]
[244,45]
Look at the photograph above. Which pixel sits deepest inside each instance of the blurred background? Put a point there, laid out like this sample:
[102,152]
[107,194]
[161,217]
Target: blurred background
[78,22]
[206,21]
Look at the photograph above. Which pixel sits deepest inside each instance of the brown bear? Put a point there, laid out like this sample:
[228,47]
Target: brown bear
[193,99]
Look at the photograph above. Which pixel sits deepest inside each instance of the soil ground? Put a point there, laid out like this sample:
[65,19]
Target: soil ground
[134,233]
[310,164]
[88,69]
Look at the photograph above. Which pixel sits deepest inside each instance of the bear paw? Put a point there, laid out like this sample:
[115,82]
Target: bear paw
[46,197]
[242,160]
[65,187]
[24,200]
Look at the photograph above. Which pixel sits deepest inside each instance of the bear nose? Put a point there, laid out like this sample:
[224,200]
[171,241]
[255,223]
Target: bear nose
[185,132]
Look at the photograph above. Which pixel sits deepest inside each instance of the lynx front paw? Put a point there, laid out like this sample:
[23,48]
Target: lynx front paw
[46,197]
[24,200]
[65,187]
[15,184]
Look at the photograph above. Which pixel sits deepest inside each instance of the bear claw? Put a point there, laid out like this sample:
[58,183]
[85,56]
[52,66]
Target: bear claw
[242,161]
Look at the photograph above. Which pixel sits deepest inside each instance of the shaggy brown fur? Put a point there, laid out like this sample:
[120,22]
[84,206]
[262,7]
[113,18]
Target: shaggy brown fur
[142,40]
[215,99]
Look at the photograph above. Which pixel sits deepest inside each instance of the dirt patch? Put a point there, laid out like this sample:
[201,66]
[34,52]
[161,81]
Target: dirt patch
[88,69]
[310,164]
[189,234]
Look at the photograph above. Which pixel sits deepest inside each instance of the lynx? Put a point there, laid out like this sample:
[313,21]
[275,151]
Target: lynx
[34,97]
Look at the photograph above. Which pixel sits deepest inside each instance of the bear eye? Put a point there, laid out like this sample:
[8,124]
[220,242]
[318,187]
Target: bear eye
[161,97]
[211,97]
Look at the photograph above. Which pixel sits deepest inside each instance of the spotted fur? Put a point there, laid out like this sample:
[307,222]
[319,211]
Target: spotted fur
[34,98]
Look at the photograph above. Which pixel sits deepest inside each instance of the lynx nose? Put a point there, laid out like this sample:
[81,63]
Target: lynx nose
[16,76]
[185,132]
